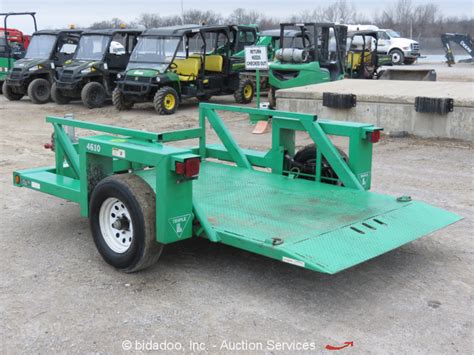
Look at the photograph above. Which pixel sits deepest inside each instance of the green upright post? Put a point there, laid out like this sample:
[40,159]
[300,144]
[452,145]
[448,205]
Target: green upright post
[258,87]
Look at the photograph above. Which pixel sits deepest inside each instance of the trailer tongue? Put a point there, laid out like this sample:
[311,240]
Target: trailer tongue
[141,193]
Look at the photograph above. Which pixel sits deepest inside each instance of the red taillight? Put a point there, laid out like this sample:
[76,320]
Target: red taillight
[374,136]
[188,168]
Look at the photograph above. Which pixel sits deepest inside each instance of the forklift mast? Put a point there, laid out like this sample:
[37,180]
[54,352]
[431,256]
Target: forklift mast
[463,40]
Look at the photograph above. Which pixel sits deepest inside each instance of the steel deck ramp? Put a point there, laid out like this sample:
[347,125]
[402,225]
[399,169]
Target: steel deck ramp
[318,226]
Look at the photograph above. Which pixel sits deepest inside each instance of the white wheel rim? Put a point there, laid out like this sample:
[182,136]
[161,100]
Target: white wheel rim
[116,225]
[395,57]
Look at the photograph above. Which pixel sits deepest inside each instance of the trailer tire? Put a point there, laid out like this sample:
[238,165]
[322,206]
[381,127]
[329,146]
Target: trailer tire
[93,95]
[166,100]
[119,101]
[245,92]
[409,61]
[307,157]
[57,96]
[9,93]
[39,91]
[130,196]
[1,87]
[397,56]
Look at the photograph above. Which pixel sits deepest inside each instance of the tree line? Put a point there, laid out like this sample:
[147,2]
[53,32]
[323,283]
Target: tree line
[424,20]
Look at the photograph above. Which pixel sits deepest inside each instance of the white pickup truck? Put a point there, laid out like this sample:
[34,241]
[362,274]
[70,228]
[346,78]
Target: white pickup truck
[402,50]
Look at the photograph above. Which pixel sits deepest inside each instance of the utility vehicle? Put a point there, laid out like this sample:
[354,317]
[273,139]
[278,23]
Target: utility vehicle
[141,193]
[91,75]
[13,44]
[171,64]
[318,58]
[34,74]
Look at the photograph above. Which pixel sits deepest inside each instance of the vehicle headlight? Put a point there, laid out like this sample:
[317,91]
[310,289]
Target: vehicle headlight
[119,76]
[157,79]
[34,68]
[87,70]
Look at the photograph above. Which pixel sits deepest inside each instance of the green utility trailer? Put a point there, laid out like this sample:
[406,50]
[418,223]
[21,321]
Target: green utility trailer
[141,193]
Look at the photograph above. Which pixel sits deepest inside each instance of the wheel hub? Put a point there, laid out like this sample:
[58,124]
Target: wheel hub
[116,225]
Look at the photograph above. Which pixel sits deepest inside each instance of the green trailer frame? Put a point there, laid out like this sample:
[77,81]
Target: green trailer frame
[246,198]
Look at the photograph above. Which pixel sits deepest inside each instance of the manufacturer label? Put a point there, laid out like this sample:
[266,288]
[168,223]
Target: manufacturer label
[292,261]
[119,153]
[179,224]
[35,185]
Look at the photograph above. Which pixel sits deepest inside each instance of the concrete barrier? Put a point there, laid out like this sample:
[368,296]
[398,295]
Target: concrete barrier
[390,104]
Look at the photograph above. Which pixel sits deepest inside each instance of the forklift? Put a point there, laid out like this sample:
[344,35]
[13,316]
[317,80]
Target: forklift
[13,44]
[319,58]
[92,73]
[34,74]
[362,59]
[271,40]
[170,64]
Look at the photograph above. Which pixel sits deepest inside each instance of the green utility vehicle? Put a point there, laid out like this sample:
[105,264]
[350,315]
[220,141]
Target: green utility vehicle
[141,193]
[12,45]
[34,74]
[319,58]
[171,64]
[91,75]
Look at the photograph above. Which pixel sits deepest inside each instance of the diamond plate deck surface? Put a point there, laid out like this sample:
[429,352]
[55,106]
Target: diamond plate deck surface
[319,224]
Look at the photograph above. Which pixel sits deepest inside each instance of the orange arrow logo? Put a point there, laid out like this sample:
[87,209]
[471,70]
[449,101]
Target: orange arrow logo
[346,345]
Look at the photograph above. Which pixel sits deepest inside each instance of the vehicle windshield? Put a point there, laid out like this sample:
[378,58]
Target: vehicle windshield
[92,47]
[393,34]
[40,46]
[156,50]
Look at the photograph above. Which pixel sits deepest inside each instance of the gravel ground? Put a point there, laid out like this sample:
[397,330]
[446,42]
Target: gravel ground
[57,295]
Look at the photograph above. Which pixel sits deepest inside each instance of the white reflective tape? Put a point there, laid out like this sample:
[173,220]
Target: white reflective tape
[293,261]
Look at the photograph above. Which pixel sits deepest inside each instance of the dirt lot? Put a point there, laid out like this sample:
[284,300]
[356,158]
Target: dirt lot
[57,295]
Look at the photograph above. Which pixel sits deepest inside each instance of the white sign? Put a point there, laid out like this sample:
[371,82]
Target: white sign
[256,57]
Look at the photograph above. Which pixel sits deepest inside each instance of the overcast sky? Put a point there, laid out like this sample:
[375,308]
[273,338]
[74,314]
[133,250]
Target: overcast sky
[56,14]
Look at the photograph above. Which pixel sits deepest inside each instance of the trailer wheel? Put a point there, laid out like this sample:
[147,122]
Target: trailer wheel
[122,222]
[119,101]
[397,56]
[93,95]
[244,94]
[166,100]
[306,163]
[9,93]
[57,96]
